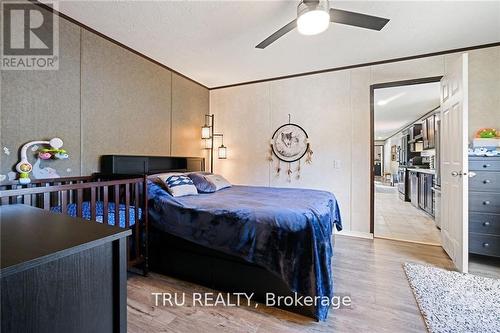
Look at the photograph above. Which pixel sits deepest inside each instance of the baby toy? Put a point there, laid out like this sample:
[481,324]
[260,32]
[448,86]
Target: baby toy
[24,167]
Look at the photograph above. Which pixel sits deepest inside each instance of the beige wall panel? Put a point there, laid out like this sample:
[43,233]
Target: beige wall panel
[126,103]
[407,70]
[190,104]
[319,104]
[360,143]
[334,108]
[44,104]
[242,114]
[484,89]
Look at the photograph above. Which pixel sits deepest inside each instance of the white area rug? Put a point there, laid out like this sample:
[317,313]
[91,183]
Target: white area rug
[455,302]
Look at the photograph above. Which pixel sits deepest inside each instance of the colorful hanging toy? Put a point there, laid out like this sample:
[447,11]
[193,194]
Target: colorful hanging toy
[54,152]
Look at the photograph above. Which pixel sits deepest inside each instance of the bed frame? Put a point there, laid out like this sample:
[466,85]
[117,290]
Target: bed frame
[174,256]
[117,189]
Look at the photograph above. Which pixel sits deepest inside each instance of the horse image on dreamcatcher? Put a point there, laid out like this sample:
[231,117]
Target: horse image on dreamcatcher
[289,144]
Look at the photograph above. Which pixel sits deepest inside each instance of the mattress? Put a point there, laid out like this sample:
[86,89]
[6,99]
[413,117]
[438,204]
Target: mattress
[286,231]
[86,212]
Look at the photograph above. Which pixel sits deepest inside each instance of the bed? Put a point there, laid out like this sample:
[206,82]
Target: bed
[286,231]
[117,200]
[241,239]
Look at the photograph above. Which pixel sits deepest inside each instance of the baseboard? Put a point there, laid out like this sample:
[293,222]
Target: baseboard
[358,234]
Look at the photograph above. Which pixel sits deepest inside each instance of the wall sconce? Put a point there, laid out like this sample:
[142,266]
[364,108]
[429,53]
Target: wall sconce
[222,152]
[205,132]
[208,134]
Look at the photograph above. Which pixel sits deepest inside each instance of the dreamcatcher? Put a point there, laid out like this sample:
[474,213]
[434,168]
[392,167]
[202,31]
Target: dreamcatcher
[290,143]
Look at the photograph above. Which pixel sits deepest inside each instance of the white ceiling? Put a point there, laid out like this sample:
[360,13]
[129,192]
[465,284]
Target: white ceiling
[213,42]
[399,106]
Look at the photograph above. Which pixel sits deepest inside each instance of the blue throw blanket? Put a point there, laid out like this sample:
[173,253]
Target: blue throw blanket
[287,231]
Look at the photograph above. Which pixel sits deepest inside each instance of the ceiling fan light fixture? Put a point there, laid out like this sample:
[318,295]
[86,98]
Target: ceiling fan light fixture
[313,17]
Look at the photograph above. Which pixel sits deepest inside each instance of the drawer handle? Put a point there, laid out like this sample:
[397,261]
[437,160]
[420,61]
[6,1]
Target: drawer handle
[486,224]
[486,165]
[487,202]
[486,181]
[486,245]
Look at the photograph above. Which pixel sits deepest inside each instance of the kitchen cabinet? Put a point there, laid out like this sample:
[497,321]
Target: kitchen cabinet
[413,176]
[421,193]
[425,193]
[415,132]
[403,150]
[428,132]
[431,131]
[425,136]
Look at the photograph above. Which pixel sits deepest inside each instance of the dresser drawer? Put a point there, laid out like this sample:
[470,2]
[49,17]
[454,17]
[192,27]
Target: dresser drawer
[485,181]
[484,244]
[484,164]
[484,202]
[484,223]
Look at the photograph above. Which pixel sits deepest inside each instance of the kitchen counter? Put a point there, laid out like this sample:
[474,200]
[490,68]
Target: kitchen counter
[429,171]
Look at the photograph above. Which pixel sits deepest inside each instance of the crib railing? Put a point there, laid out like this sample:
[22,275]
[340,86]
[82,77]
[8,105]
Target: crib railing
[62,192]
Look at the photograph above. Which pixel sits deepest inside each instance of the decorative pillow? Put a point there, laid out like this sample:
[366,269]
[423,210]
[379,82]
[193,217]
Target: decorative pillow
[161,178]
[180,185]
[207,182]
[202,185]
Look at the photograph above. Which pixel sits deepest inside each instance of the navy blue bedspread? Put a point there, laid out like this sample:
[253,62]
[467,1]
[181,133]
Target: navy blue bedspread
[286,231]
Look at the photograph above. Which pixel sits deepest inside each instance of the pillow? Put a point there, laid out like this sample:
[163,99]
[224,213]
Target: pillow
[161,178]
[180,185]
[207,182]
[164,176]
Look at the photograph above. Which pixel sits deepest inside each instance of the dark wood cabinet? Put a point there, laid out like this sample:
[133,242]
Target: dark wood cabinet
[426,194]
[61,274]
[431,131]
[421,193]
[425,134]
[428,132]
[414,182]
[415,132]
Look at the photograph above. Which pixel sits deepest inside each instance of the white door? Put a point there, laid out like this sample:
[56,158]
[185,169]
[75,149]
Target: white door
[454,162]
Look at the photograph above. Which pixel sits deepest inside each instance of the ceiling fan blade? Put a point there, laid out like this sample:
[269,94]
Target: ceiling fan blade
[357,19]
[280,33]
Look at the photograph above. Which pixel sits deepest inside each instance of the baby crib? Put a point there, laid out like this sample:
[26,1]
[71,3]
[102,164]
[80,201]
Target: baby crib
[116,200]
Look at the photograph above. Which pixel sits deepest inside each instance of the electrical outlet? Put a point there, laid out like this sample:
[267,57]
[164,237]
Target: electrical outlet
[336,164]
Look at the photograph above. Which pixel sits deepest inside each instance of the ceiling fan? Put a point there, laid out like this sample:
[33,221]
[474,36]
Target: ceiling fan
[314,17]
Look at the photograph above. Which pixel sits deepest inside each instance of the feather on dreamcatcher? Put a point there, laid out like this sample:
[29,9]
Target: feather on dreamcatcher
[289,144]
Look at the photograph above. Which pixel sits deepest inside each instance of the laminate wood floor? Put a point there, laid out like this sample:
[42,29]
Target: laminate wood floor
[369,271]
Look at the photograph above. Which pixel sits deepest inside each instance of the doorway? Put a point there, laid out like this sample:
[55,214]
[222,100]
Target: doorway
[405,124]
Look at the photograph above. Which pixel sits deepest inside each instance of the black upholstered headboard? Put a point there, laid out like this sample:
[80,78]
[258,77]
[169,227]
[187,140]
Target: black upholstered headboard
[147,165]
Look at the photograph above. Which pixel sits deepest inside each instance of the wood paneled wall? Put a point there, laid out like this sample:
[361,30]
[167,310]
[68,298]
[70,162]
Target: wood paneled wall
[103,100]
[334,108]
